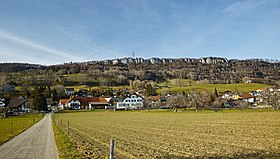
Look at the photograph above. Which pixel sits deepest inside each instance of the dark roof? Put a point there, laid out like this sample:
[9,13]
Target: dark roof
[16,102]
[114,99]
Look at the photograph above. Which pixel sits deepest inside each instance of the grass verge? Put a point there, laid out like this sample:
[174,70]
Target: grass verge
[66,148]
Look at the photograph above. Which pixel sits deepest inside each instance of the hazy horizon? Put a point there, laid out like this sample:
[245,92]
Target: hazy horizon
[57,32]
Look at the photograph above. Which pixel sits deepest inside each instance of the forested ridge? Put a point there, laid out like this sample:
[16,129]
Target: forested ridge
[120,71]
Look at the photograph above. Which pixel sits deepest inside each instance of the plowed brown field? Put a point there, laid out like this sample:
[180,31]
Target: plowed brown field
[232,134]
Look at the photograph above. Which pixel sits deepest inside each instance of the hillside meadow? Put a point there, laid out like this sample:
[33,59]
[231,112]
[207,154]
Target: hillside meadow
[187,134]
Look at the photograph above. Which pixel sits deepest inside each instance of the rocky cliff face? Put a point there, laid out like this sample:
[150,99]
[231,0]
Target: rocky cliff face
[213,60]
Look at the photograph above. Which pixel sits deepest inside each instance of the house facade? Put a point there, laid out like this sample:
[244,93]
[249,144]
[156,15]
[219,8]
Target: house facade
[131,102]
[74,104]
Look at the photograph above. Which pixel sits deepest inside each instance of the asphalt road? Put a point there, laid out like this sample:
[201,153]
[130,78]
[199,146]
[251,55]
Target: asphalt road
[37,142]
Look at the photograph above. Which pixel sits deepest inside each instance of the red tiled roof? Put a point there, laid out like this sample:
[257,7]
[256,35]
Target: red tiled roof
[102,99]
[246,96]
[154,98]
[85,100]
[63,101]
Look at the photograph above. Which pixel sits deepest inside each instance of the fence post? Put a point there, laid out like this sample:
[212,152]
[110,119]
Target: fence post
[11,127]
[112,149]
[61,125]
[67,128]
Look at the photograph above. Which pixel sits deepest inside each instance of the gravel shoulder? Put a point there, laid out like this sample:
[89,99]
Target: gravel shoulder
[36,142]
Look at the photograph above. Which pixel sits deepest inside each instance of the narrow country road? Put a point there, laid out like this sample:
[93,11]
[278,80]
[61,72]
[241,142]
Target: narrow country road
[36,142]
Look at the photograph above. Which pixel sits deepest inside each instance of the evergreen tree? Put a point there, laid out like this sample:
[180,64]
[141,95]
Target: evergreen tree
[39,99]
[48,92]
[216,93]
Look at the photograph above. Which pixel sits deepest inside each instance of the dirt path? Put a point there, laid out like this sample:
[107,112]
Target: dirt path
[36,142]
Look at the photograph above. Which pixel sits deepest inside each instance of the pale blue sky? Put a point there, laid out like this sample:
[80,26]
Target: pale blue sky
[58,31]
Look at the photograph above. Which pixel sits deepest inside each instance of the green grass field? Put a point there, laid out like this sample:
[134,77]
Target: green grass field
[12,126]
[225,134]
[240,87]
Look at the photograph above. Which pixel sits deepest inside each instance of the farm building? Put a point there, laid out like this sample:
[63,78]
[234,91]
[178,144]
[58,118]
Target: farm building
[98,103]
[76,102]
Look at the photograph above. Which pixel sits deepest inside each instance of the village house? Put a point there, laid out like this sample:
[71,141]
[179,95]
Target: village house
[157,101]
[74,103]
[248,98]
[260,91]
[18,104]
[49,103]
[132,102]
[226,96]
[69,91]
[82,92]
[9,87]
[62,104]
[235,97]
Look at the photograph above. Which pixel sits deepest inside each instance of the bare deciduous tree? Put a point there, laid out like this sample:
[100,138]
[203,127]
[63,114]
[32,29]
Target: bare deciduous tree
[176,101]
[273,99]
[240,104]
[147,104]
[218,103]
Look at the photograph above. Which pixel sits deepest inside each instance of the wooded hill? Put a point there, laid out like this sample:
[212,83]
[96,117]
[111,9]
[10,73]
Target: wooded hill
[211,70]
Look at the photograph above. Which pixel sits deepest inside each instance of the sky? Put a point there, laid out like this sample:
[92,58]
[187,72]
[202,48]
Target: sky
[58,31]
